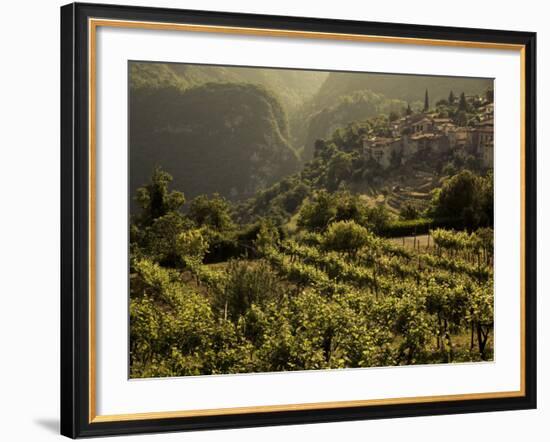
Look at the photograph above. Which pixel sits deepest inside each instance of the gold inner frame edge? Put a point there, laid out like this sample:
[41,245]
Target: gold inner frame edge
[93,24]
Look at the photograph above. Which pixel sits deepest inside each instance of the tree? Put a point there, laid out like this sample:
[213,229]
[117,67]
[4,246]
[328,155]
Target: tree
[267,238]
[154,230]
[212,212]
[408,111]
[378,218]
[465,196]
[482,315]
[486,198]
[448,302]
[449,169]
[156,200]
[472,163]
[452,98]
[426,101]
[340,168]
[346,236]
[318,213]
[318,147]
[458,192]
[350,207]
[396,158]
[462,103]
[393,116]
[159,240]
[248,283]
[461,118]
[192,246]
[408,212]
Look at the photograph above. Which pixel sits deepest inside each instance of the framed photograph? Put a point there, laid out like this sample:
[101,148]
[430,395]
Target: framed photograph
[280,220]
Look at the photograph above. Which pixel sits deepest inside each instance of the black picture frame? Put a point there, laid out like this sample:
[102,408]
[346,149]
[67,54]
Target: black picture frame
[75,219]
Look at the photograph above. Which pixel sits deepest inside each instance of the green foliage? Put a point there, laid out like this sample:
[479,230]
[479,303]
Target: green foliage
[339,169]
[234,134]
[452,98]
[409,212]
[267,238]
[418,226]
[155,200]
[181,330]
[378,218]
[156,228]
[159,240]
[468,197]
[212,212]
[375,306]
[449,169]
[153,76]
[345,109]
[426,101]
[346,236]
[462,103]
[414,324]
[247,284]
[299,275]
[192,245]
[393,116]
[408,88]
[349,207]
[325,208]
[450,240]
[276,202]
[316,215]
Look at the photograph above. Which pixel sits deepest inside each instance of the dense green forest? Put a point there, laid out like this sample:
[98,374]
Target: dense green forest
[248,256]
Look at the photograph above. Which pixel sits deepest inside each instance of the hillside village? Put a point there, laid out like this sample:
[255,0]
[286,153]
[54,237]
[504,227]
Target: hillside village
[427,131]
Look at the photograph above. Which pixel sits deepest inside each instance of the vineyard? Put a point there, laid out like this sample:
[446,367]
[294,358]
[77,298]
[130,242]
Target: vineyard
[261,299]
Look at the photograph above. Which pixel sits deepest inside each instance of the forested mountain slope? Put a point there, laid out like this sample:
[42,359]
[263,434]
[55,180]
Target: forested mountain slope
[409,88]
[357,106]
[218,137]
[292,87]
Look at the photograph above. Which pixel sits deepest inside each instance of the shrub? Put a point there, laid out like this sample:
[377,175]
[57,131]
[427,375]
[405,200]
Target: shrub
[212,212]
[408,212]
[248,283]
[192,245]
[418,226]
[346,236]
[316,215]
[160,238]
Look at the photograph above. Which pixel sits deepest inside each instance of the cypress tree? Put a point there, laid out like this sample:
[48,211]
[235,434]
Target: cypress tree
[426,101]
[452,97]
[462,105]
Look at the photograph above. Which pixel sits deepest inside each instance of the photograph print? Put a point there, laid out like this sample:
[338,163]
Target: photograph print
[285,220]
